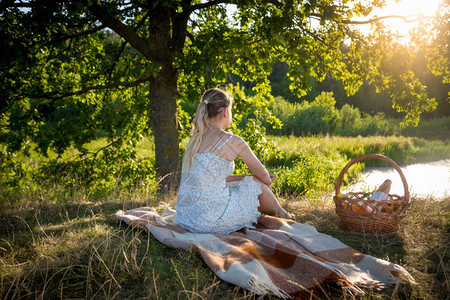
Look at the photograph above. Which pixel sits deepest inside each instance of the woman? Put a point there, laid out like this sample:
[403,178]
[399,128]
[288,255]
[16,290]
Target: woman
[209,199]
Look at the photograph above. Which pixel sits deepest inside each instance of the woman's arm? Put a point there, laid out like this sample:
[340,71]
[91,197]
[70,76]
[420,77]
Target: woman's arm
[234,178]
[255,165]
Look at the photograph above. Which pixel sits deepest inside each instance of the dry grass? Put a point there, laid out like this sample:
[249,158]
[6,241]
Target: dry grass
[76,250]
[421,244]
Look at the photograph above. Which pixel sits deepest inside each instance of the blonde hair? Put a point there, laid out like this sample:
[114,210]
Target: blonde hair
[213,102]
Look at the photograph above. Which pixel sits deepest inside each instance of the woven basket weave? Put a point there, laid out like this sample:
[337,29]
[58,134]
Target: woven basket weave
[370,217]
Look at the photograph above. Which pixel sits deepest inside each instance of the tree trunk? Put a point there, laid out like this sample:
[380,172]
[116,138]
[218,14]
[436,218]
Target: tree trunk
[166,38]
[163,105]
[163,115]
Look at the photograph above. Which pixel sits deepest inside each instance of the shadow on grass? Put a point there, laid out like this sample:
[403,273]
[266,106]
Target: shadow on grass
[55,250]
[75,250]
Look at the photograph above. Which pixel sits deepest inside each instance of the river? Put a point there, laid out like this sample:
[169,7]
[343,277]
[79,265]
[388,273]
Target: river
[424,180]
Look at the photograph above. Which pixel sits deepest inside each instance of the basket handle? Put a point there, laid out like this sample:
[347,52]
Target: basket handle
[373,156]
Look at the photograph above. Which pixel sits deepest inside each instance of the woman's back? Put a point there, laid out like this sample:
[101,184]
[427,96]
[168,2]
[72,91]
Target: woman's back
[206,202]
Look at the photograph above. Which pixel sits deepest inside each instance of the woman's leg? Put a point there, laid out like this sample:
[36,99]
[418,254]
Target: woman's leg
[268,202]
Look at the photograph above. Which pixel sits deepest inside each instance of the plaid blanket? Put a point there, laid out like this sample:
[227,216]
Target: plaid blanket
[279,256]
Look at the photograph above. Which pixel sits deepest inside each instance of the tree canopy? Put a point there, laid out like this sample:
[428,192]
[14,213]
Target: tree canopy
[72,71]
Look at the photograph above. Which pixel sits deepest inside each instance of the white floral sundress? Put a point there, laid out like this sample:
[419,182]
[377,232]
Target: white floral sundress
[208,204]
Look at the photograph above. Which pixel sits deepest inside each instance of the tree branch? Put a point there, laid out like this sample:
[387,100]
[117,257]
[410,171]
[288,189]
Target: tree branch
[122,48]
[216,2]
[191,37]
[11,4]
[78,34]
[406,19]
[54,96]
[121,29]
[208,4]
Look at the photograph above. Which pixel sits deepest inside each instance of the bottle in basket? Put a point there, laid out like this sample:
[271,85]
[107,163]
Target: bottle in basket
[383,191]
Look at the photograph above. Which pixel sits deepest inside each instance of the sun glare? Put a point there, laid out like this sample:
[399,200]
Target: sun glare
[410,9]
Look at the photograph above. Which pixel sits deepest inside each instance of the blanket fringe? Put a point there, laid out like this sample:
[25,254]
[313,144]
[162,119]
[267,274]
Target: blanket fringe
[261,287]
[400,273]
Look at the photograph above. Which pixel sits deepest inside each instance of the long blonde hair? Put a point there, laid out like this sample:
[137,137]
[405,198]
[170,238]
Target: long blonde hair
[213,102]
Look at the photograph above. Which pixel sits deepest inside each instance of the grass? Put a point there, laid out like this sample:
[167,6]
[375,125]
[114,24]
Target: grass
[76,250]
[403,150]
[62,244]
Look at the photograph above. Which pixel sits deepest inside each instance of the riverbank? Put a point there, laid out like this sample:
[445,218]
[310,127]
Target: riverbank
[76,250]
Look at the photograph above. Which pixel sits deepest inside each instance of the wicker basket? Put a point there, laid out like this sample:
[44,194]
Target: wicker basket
[370,217]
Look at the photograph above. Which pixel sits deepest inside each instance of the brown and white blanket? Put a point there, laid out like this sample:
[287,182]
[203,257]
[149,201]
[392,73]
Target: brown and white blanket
[280,256]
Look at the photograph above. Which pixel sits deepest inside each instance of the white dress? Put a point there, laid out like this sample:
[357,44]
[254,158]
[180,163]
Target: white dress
[208,204]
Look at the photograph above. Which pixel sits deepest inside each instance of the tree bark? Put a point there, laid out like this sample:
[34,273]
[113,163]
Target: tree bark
[163,104]
[163,116]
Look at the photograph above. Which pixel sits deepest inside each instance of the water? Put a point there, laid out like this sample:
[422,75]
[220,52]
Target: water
[424,180]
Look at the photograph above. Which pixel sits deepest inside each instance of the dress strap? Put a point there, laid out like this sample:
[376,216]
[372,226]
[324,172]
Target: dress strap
[229,138]
[217,143]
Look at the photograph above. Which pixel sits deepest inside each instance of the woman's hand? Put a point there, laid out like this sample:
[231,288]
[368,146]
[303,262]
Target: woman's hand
[272,177]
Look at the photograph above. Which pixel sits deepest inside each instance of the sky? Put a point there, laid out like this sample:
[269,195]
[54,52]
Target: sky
[405,8]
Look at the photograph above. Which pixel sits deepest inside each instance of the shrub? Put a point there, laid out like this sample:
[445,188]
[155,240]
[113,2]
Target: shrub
[376,125]
[311,174]
[429,129]
[285,112]
[55,179]
[319,116]
[348,117]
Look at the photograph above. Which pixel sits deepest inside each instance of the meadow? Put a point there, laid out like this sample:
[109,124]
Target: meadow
[62,241]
